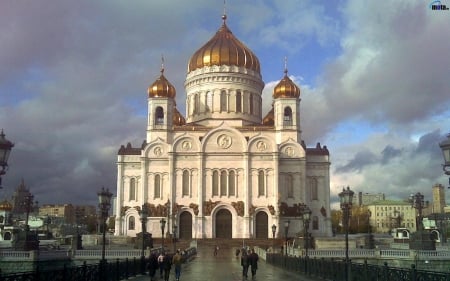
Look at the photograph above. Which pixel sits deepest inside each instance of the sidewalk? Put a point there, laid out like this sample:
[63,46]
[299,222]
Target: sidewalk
[226,267]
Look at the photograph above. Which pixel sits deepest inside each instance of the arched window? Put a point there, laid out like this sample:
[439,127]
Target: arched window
[313,189]
[215,183]
[223,101]
[289,186]
[231,183]
[287,118]
[196,103]
[131,223]
[157,186]
[223,183]
[132,193]
[209,101]
[315,223]
[238,101]
[159,116]
[185,188]
[261,183]
[251,103]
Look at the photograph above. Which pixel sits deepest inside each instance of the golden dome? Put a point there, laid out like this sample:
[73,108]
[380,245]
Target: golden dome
[5,206]
[269,120]
[178,119]
[224,49]
[161,88]
[286,88]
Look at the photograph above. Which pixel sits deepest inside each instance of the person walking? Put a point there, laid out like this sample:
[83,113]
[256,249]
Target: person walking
[152,266]
[177,261]
[167,265]
[160,263]
[216,250]
[244,263]
[253,260]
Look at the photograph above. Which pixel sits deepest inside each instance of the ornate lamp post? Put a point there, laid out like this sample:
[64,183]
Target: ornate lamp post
[174,228]
[143,214]
[162,223]
[445,147]
[274,229]
[306,215]
[286,230]
[346,198]
[5,149]
[104,204]
[418,203]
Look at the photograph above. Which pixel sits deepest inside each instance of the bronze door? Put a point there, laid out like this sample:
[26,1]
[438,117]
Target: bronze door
[185,225]
[262,225]
[224,227]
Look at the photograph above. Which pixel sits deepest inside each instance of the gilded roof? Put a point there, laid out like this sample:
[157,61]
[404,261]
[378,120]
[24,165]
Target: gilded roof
[224,49]
[178,119]
[161,88]
[5,206]
[269,120]
[286,88]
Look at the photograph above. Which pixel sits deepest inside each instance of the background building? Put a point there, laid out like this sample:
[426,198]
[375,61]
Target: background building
[390,214]
[224,170]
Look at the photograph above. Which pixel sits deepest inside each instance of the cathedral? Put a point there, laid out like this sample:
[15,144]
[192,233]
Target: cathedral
[223,170]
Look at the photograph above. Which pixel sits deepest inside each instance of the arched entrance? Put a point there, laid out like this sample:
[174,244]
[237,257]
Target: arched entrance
[224,226]
[261,225]
[185,225]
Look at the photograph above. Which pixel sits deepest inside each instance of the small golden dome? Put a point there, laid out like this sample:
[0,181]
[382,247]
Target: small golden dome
[269,120]
[224,49]
[286,88]
[178,119]
[5,206]
[161,88]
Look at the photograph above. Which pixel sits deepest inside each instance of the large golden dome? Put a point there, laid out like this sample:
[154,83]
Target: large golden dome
[161,88]
[286,88]
[224,49]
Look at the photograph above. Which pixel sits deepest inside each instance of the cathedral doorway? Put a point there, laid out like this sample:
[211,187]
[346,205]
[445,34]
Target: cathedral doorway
[185,225]
[224,226]
[261,225]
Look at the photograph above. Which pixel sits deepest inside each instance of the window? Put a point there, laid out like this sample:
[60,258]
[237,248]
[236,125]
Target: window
[159,116]
[223,101]
[157,186]
[261,183]
[223,183]
[215,183]
[287,118]
[315,223]
[185,183]
[313,189]
[251,104]
[132,189]
[197,103]
[131,223]
[238,101]
[290,186]
[231,183]
[209,101]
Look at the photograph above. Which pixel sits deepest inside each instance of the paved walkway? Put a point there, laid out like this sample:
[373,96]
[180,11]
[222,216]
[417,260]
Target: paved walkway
[226,267]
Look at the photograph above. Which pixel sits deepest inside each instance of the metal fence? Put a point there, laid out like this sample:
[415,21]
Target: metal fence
[335,270]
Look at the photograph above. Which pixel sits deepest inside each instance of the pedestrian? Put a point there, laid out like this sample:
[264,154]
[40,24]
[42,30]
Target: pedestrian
[253,260]
[237,252]
[160,263]
[216,250]
[167,265]
[244,263]
[177,260]
[152,266]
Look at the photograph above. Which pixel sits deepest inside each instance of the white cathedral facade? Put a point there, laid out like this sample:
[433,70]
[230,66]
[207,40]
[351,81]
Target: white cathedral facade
[224,171]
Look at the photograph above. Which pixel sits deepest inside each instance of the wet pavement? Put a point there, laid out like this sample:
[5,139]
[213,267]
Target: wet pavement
[226,267]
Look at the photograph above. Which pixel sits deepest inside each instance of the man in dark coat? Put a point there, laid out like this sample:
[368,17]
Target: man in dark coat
[167,265]
[152,266]
[253,260]
[244,263]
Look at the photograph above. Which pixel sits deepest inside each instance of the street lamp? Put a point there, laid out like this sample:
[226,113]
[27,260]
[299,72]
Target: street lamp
[286,230]
[5,149]
[417,202]
[174,227]
[445,147]
[104,204]
[143,214]
[306,215]
[346,198]
[162,223]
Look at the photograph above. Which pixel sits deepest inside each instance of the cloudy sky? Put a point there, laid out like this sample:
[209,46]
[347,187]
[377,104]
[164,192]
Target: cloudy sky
[374,77]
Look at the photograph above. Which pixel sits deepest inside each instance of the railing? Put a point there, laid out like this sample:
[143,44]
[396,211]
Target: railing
[335,270]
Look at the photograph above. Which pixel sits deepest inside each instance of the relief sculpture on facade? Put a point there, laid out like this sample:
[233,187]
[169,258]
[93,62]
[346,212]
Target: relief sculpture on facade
[239,207]
[123,210]
[208,206]
[271,210]
[194,207]
[251,210]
